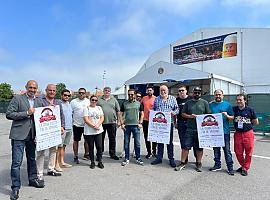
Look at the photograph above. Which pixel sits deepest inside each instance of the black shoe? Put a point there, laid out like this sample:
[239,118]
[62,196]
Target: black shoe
[198,167]
[231,173]
[149,155]
[54,173]
[92,165]
[37,183]
[244,172]
[76,160]
[14,194]
[100,165]
[239,170]
[172,163]
[115,157]
[156,161]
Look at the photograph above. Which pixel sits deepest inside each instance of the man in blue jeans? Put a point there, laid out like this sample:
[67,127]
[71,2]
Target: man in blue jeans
[132,110]
[220,106]
[166,103]
[22,134]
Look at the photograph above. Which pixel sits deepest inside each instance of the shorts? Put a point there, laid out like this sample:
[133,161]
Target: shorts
[77,133]
[191,140]
[66,137]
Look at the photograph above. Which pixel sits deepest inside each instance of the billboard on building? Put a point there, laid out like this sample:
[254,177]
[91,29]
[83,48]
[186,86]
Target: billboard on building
[207,49]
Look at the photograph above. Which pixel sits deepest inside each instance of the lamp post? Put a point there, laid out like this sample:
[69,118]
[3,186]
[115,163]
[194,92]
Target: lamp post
[104,78]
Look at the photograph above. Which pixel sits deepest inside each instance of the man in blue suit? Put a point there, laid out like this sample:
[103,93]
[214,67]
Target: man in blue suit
[22,135]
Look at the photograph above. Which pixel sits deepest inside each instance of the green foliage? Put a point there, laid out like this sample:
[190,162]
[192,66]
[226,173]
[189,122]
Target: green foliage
[59,88]
[6,94]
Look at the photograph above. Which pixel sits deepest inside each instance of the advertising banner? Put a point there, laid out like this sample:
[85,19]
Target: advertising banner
[48,127]
[207,49]
[210,130]
[159,127]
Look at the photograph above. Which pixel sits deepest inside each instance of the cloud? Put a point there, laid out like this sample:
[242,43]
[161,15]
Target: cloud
[5,55]
[246,3]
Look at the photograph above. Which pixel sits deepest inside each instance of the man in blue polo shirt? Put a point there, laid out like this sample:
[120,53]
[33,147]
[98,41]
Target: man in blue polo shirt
[220,106]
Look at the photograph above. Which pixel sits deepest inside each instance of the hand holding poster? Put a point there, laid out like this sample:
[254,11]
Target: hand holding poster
[159,127]
[48,127]
[210,130]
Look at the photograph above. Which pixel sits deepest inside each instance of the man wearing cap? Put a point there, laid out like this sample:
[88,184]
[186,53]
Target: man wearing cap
[111,109]
[192,108]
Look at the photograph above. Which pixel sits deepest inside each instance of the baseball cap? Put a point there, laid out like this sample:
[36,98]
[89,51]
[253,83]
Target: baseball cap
[197,89]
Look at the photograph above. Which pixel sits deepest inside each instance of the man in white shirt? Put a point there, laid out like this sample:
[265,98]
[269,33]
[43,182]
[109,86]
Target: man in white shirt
[78,106]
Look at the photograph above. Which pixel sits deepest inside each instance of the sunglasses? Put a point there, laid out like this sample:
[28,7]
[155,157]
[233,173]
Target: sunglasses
[81,92]
[197,92]
[94,100]
[181,90]
[130,94]
[66,95]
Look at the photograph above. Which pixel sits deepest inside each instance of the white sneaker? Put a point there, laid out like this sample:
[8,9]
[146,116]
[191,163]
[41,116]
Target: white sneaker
[125,162]
[139,161]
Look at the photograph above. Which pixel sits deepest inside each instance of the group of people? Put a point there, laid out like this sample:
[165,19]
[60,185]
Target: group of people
[93,118]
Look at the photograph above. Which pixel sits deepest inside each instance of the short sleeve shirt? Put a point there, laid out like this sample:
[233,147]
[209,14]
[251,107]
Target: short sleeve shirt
[94,113]
[131,110]
[243,117]
[110,108]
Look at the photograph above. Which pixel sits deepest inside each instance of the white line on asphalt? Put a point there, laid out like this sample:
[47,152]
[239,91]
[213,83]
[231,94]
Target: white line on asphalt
[255,156]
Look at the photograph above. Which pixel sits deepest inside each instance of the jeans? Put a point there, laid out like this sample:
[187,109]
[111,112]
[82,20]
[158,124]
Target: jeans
[111,130]
[148,143]
[136,134]
[17,158]
[227,153]
[243,147]
[97,139]
[169,147]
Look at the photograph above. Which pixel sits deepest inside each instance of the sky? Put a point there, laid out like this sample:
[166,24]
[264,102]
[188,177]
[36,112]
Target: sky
[86,43]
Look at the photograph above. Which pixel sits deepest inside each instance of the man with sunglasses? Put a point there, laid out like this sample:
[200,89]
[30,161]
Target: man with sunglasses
[111,109]
[67,110]
[192,108]
[78,106]
[133,112]
[181,123]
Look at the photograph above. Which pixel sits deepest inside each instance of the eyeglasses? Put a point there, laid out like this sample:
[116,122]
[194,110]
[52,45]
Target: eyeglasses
[130,94]
[94,100]
[197,92]
[181,90]
[81,92]
[67,95]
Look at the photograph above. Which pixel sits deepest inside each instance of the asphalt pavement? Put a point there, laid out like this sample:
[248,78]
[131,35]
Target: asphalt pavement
[134,182]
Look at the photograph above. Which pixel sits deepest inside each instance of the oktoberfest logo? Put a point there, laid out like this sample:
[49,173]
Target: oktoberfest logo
[209,120]
[160,118]
[47,115]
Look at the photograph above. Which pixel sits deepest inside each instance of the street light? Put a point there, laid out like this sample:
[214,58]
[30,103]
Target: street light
[104,78]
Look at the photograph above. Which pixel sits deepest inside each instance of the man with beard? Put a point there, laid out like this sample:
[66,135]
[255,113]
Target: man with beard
[22,134]
[148,102]
[220,106]
[195,106]
[166,103]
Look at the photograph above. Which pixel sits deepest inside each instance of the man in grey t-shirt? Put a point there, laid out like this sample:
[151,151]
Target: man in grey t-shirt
[111,109]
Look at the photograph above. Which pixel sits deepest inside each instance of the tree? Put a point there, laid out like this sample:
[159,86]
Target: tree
[59,88]
[6,93]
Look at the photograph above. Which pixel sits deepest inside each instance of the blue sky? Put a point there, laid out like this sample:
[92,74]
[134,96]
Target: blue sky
[74,41]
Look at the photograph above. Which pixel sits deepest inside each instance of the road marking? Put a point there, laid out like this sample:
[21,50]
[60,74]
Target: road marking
[255,156]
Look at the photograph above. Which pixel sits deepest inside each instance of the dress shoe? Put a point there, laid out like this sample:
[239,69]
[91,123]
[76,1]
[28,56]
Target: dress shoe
[115,157]
[14,194]
[37,183]
[100,165]
[54,173]
[156,161]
